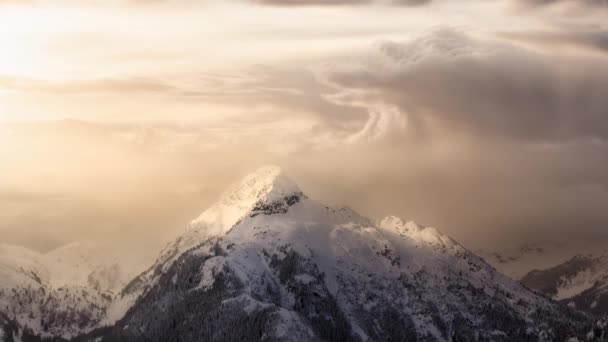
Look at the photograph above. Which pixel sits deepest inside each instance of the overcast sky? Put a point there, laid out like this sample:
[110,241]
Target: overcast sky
[485,118]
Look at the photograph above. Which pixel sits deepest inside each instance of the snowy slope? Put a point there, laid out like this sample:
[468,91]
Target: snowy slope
[76,264]
[575,274]
[89,265]
[233,205]
[268,263]
[581,282]
[21,267]
[266,184]
[516,262]
[61,293]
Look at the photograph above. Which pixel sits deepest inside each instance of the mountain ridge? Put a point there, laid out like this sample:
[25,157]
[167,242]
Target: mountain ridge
[290,263]
[268,263]
[581,282]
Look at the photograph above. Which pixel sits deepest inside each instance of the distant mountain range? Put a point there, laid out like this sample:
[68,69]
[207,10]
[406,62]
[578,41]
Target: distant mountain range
[59,294]
[577,277]
[268,263]
[581,282]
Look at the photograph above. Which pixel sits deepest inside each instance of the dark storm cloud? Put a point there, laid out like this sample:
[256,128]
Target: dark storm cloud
[486,88]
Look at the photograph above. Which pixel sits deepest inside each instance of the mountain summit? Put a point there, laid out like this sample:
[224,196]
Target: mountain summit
[267,263]
[268,185]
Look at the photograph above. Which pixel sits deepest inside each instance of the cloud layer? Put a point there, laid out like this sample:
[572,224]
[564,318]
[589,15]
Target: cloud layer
[492,124]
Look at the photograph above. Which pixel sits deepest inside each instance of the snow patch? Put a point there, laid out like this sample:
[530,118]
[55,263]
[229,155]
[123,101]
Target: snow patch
[574,288]
[210,269]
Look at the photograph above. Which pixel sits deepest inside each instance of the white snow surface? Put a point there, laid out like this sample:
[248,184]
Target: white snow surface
[348,249]
[75,264]
[360,262]
[576,286]
[267,184]
[79,277]
[595,275]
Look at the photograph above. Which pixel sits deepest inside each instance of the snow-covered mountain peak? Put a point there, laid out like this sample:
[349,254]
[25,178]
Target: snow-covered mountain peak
[264,189]
[268,183]
[416,232]
[313,272]
[268,263]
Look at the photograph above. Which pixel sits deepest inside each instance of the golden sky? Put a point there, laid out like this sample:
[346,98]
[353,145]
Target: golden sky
[466,107]
[130,60]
